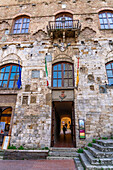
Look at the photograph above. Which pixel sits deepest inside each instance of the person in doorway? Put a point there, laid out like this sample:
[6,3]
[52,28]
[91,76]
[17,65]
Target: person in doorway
[66,126]
[64,129]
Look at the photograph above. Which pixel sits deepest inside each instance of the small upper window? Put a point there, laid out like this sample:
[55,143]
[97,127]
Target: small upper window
[9,76]
[109,70]
[21,25]
[106,20]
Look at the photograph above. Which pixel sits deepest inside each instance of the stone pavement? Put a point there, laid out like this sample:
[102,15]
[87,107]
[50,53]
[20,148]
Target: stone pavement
[37,165]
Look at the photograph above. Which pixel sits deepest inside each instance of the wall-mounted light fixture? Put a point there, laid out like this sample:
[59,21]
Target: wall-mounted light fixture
[4,47]
[111,44]
[18,46]
[48,57]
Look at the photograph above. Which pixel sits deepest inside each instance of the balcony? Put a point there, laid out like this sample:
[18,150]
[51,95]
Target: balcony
[63,29]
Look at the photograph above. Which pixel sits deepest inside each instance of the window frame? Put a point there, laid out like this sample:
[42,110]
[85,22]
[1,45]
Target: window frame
[62,73]
[9,74]
[111,62]
[21,27]
[64,20]
[64,14]
[108,23]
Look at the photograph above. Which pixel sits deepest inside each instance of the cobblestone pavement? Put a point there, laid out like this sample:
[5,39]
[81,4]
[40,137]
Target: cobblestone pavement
[37,165]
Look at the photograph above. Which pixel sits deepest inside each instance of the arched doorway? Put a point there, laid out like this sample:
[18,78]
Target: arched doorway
[62,115]
[5,119]
[65,121]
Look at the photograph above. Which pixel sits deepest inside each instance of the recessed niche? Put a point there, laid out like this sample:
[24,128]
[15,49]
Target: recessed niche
[90,78]
[25,100]
[35,74]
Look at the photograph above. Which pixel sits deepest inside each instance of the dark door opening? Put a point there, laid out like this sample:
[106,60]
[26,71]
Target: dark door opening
[5,119]
[63,116]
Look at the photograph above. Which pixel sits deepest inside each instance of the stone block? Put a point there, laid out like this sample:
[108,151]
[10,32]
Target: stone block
[25,100]
[102,89]
[27,88]
[92,87]
[33,99]
[35,74]
[90,78]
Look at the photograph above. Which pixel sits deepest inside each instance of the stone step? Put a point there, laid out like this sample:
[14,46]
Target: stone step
[58,158]
[63,154]
[2,150]
[98,154]
[102,148]
[63,149]
[88,166]
[106,143]
[1,157]
[78,164]
[1,154]
[96,161]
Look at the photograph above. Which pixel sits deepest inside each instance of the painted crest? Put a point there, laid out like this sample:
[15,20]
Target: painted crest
[62,96]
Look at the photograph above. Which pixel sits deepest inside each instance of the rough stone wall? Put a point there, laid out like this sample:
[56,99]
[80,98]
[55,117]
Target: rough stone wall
[94,98]
[32,114]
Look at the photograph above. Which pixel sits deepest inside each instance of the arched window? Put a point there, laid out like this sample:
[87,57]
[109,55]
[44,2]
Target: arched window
[21,25]
[63,75]
[106,19]
[109,70]
[9,75]
[64,20]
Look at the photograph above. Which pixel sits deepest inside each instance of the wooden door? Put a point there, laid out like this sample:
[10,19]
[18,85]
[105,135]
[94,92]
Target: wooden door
[52,124]
[73,126]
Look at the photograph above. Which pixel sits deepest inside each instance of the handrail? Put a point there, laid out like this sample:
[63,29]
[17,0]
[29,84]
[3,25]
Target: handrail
[66,24]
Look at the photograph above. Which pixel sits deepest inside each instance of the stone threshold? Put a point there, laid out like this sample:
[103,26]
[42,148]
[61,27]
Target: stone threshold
[25,154]
[16,150]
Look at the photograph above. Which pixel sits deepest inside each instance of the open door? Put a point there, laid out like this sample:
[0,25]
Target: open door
[5,121]
[73,126]
[52,124]
[62,115]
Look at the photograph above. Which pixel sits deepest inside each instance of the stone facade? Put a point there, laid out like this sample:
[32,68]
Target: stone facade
[31,121]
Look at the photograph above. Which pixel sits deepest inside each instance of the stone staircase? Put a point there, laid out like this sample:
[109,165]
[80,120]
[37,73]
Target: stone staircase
[62,153]
[99,156]
[1,154]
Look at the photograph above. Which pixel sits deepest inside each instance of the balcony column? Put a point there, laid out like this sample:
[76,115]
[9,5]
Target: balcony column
[76,36]
[51,36]
[63,36]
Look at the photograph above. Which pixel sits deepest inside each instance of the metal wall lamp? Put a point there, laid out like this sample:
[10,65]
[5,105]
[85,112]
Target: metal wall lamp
[111,44]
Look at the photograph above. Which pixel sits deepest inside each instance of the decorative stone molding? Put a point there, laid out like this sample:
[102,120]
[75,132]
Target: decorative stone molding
[10,58]
[64,11]
[21,14]
[109,57]
[105,9]
[62,57]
